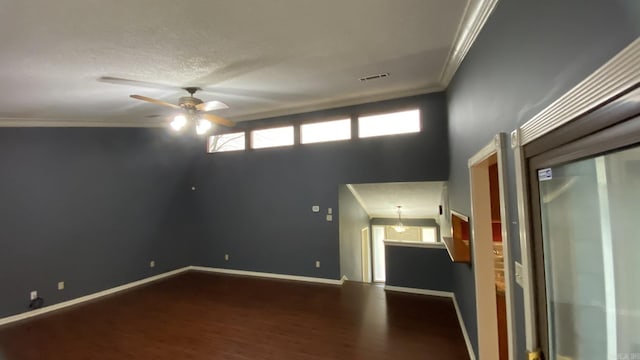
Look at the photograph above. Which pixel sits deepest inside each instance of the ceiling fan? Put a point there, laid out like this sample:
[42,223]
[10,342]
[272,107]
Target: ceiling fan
[193,111]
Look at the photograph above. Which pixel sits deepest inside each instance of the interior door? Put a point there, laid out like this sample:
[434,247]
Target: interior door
[366,255]
[585,206]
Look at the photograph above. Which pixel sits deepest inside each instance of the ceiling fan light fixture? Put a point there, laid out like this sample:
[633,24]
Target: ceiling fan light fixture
[178,122]
[203,126]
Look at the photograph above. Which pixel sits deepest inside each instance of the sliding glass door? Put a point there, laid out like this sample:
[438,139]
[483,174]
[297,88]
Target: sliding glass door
[585,207]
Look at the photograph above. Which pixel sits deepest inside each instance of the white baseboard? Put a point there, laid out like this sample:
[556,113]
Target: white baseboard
[419,291]
[447,294]
[62,305]
[89,297]
[472,354]
[267,275]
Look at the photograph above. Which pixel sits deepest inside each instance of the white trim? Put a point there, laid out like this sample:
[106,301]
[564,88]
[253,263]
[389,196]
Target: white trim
[460,215]
[483,154]
[617,75]
[267,275]
[76,301]
[497,146]
[37,122]
[438,245]
[365,242]
[531,341]
[475,16]
[417,291]
[340,102]
[501,140]
[472,354]
[446,294]
[359,199]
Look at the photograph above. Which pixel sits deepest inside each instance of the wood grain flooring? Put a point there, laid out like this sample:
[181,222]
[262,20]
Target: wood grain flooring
[209,316]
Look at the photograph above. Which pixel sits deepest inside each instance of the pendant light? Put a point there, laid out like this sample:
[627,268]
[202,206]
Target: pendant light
[399,227]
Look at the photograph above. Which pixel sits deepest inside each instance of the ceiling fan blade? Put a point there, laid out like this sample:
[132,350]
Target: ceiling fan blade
[212,105]
[218,120]
[155,101]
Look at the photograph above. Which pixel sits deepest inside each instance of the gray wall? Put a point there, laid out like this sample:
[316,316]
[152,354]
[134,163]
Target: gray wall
[353,219]
[257,203]
[420,268]
[90,207]
[529,53]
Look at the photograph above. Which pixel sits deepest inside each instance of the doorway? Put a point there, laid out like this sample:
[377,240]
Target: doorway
[491,256]
[372,211]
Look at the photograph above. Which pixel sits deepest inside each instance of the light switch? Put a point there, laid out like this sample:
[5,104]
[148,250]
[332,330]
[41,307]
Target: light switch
[519,274]
[315,208]
[329,211]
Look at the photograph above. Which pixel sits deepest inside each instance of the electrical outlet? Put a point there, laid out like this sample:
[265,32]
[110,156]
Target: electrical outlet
[226,257]
[152,263]
[315,208]
[329,217]
[34,295]
[317,264]
[61,285]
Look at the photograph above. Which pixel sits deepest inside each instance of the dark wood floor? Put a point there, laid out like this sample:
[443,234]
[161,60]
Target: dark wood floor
[208,316]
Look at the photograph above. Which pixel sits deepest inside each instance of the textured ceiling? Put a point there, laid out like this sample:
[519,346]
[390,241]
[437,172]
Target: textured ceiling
[418,199]
[260,57]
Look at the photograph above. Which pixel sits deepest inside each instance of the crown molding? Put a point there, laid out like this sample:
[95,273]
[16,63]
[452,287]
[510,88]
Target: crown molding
[619,74]
[337,103]
[340,102]
[41,122]
[359,199]
[475,16]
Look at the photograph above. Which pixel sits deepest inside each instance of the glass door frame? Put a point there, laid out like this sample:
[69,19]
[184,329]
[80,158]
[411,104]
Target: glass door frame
[613,126]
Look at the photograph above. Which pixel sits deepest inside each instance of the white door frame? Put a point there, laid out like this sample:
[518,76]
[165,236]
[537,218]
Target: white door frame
[619,74]
[482,251]
[365,242]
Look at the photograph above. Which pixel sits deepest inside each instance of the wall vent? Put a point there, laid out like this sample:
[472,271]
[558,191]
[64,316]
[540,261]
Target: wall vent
[374,77]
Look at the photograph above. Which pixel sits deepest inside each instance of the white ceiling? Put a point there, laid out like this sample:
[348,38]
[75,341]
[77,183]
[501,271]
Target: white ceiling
[419,200]
[262,58]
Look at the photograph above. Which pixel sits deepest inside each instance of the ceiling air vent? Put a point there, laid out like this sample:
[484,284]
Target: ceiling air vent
[374,77]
